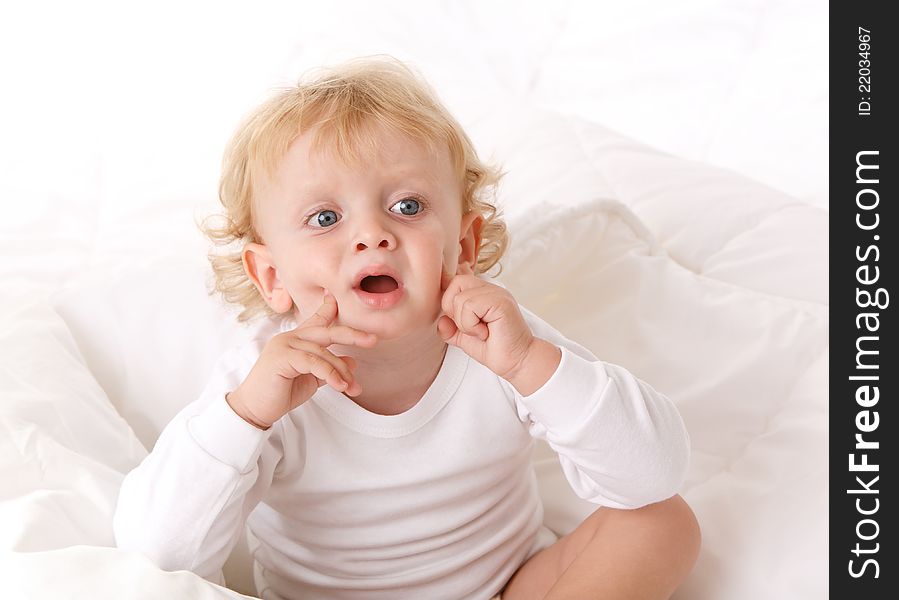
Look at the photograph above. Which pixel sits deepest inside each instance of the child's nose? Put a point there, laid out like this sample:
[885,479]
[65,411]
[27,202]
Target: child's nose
[373,235]
[360,246]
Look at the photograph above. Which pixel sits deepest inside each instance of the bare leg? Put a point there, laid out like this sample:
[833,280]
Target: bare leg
[615,554]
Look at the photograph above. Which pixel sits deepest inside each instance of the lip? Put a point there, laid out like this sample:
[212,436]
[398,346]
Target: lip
[385,300]
[376,270]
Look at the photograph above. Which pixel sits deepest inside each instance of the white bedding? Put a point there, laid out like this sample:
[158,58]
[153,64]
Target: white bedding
[710,283]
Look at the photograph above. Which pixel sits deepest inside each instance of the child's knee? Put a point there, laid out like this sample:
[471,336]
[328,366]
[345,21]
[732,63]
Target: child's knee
[675,527]
[668,526]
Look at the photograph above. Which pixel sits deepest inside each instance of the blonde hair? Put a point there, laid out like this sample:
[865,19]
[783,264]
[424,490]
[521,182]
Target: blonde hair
[344,102]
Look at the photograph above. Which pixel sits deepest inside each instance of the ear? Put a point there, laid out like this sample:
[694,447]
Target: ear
[470,238]
[260,268]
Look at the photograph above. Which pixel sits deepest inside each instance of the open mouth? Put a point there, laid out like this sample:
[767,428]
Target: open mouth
[378,284]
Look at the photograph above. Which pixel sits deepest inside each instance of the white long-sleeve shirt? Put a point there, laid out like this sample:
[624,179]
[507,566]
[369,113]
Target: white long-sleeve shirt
[440,501]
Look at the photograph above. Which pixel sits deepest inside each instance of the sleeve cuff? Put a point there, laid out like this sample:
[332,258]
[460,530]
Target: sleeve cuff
[567,398]
[226,436]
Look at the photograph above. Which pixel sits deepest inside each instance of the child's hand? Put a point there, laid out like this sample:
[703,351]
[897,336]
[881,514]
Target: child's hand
[294,364]
[483,320]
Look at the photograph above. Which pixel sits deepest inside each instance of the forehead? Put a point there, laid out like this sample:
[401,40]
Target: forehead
[321,158]
[371,145]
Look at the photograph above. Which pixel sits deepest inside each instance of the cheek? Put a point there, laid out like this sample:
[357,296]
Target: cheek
[436,249]
[307,273]
[305,298]
[450,252]
[425,254]
[449,260]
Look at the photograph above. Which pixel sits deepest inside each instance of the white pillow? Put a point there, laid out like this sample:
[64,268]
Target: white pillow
[712,221]
[151,336]
[748,372]
[63,447]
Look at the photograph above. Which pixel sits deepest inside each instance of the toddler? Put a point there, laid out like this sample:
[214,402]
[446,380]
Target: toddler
[376,435]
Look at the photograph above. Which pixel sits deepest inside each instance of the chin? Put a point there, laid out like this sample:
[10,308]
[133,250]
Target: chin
[391,325]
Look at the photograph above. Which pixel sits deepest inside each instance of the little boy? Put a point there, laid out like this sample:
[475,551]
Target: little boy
[376,435]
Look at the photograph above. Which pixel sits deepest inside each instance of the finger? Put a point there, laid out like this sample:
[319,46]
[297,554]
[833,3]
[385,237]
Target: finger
[456,286]
[337,334]
[305,362]
[350,362]
[479,330]
[470,309]
[459,284]
[445,279]
[313,354]
[346,373]
[325,313]
[354,388]
[447,328]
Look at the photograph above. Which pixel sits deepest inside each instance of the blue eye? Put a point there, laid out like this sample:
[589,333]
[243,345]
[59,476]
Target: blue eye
[408,207]
[323,218]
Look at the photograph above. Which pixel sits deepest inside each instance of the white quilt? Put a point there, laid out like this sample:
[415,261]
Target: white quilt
[696,258]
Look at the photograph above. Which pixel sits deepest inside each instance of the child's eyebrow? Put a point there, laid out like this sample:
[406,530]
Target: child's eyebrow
[416,177]
[304,197]
[308,192]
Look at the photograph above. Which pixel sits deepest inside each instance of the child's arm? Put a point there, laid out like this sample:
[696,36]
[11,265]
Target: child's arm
[621,443]
[185,505]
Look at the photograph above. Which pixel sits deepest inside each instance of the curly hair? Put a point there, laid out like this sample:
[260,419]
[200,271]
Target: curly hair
[343,102]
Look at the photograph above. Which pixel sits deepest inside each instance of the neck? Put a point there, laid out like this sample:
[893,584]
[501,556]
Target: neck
[396,373]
